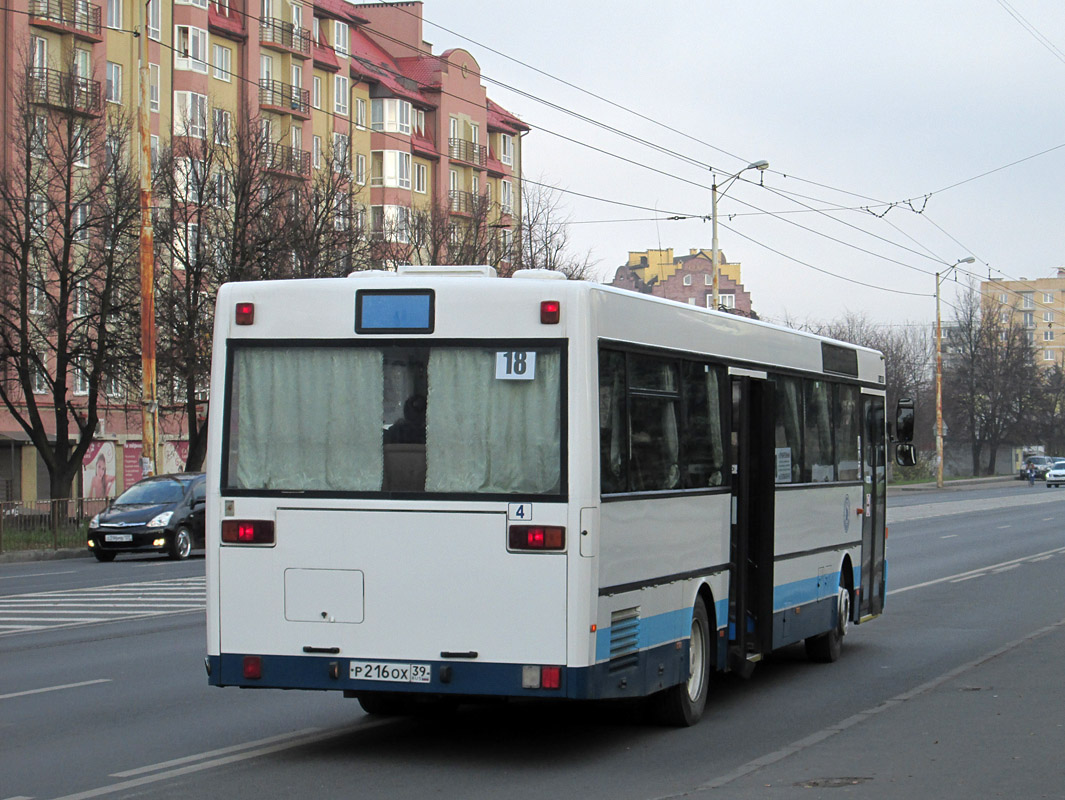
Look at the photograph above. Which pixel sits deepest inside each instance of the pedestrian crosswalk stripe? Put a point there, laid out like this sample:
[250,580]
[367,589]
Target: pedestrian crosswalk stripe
[126,601]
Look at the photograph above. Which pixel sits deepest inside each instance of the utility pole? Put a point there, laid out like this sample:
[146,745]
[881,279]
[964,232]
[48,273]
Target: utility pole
[149,398]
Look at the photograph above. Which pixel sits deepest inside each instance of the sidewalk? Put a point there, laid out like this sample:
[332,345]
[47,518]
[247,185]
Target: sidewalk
[994,727]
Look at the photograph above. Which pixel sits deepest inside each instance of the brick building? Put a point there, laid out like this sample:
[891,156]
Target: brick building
[686,279]
[331,85]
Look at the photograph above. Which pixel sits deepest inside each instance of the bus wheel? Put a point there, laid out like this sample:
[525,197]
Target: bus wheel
[383,704]
[827,647]
[682,705]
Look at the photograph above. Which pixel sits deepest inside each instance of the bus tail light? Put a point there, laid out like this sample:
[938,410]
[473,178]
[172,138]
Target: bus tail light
[535,677]
[248,531]
[253,667]
[245,313]
[537,537]
[550,312]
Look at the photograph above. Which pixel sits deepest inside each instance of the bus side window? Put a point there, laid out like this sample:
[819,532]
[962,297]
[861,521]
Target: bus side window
[820,463]
[654,445]
[847,457]
[702,425]
[612,423]
[788,429]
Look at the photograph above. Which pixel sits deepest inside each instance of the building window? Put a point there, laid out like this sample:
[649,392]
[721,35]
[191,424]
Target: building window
[316,152]
[39,137]
[340,37]
[723,300]
[1029,319]
[391,223]
[79,223]
[390,114]
[360,113]
[316,92]
[506,149]
[223,62]
[1002,298]
[153,146]
[114,82]
[688,280]
[155,24]
[153,87]
[190,114]
[421,178]
[190,48]
[197,3]
[1048,297]
[1048,336]
[391,168]
[360,169]
[1048,355]
[223,123]
[114,13]
[1027,300]
[341,144]
[419,122]
[40,375]
[506,197]
[340,96]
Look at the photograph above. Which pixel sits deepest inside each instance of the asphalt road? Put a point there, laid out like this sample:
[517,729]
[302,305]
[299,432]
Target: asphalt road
[956,691]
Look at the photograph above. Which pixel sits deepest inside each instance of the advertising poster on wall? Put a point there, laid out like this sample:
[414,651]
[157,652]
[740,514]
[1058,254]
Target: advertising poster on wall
[98,469]
[174,456]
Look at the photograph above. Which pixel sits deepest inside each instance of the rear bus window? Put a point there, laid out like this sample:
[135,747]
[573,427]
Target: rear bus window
[403,419]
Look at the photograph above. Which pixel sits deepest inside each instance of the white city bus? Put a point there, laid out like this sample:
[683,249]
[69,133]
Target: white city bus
[437,484]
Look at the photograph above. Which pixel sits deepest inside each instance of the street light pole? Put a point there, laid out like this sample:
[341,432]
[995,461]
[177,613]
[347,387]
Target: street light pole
[939,378]
[758,165]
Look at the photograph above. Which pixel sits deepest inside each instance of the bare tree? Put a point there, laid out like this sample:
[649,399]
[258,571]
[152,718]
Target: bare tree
[229,197]
[69,215]
[989,376]
[543,236]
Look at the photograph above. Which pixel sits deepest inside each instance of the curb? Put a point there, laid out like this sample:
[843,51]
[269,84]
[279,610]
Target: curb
[23,556]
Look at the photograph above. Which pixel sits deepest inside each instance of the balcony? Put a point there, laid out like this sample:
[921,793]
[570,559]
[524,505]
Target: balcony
[281,35]
[463,202]
[63,91]
[470,152]
[287,160]
[68,16]
[285,98]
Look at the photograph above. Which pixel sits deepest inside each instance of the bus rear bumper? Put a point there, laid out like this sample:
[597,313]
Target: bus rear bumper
[641,674]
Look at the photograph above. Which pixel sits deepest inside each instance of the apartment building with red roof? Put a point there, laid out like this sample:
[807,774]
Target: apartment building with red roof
[331,83]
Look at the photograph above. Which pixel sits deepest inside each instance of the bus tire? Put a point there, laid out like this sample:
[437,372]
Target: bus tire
[683,705]
[383,704]
[827,647]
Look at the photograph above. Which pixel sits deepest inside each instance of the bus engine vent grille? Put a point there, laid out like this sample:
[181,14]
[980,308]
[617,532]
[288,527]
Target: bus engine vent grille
[624,638]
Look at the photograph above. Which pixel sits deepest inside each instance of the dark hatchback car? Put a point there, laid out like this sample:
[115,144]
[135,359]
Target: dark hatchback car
[161,513]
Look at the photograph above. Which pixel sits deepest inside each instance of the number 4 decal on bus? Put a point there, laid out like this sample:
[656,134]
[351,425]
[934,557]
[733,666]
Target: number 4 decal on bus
[522,512]
[515,365]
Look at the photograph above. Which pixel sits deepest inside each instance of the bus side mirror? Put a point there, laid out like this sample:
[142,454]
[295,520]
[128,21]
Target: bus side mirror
[905,455]
[904,420]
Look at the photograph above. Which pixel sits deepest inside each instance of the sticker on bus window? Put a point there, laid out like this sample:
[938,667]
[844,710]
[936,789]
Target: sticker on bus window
[516,365]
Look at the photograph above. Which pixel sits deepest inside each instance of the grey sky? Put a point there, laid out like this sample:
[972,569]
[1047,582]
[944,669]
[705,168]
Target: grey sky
[889,101]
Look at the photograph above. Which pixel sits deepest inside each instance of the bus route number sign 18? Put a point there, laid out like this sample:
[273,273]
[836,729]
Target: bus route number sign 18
[516,365]
[390,671]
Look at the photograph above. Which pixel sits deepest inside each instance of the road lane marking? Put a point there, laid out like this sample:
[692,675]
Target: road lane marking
[54,688]
[214,753]
[37,575]
[861,716]
[975,573]
[949,536]
[225,760]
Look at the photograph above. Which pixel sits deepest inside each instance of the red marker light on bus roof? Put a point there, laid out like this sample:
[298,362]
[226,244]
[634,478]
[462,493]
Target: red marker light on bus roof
[550,312]
[245,313]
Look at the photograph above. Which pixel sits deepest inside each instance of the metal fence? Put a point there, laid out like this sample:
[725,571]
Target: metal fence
[46,524]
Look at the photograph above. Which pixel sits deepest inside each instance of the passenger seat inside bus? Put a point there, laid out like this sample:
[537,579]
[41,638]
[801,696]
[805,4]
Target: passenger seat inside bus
[404,468]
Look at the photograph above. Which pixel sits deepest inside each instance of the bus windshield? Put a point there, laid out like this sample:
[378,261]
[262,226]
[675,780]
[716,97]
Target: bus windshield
[335,417]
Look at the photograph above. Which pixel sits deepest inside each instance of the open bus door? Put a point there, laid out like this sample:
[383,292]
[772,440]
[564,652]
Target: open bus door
[753,488]
[874,489]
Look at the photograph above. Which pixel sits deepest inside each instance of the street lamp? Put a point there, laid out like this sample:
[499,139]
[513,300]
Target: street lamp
[939,376]
[758,165]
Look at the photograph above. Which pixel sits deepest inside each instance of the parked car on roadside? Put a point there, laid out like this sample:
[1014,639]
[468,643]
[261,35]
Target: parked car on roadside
[1056,474]
[1042,465]
[164,513]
